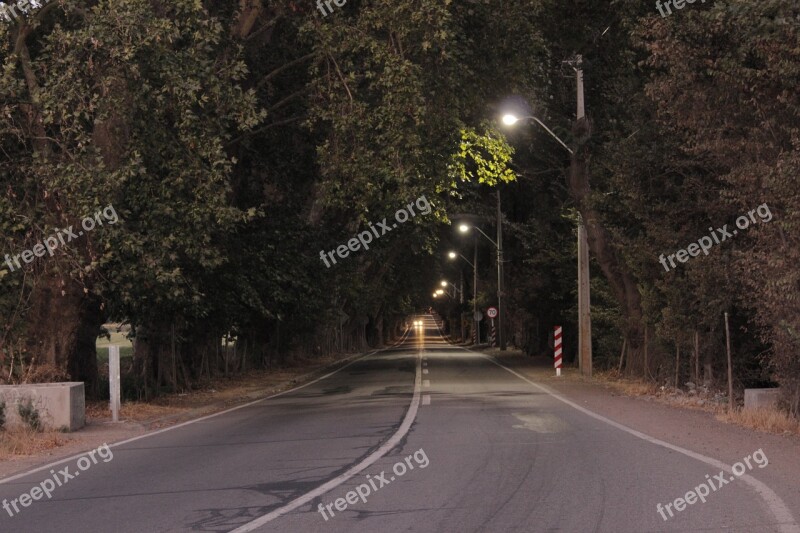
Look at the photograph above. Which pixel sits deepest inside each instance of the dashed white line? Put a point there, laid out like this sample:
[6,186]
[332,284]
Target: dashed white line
[426,383]
[424,370]
[426,399]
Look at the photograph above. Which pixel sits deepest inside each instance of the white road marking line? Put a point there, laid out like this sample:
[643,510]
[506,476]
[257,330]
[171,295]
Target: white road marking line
[426,399]
[395,439]
[424,370]
[202,418]
[777,507]
[426,383]
[781,513]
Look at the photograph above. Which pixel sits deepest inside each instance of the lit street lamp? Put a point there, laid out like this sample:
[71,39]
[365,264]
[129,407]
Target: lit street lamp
[456,290]
[464,228]
[579,166]
[453,255]
[510,120]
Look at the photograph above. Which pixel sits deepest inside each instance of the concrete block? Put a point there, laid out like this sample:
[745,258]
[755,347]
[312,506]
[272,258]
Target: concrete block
[761,398]
[61,406]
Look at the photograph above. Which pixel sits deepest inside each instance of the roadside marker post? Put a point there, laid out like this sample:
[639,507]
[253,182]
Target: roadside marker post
[492,313]
[478,316]
[113,381]
[557,347]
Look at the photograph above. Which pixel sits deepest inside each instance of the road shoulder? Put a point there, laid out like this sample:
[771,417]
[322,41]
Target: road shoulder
[692,429]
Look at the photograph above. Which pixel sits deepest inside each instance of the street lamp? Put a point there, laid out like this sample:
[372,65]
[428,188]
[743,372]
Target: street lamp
[499,247]
[476,332]
[510,120]
[464,228]
[453,255]
[456,290]
[577,166]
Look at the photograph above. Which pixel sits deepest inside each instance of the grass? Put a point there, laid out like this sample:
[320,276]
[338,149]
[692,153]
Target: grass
[102,354]
[768,420]
[118,338]
[129,411]
[629,387]
[26,442]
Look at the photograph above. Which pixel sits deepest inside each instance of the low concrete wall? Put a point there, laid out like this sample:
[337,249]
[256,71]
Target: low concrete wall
[761,398]
[60,406]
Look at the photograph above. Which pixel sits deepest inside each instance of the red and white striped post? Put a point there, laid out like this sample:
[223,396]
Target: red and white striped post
[557,347]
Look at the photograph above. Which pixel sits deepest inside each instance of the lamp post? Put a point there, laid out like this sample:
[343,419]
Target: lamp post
[452,255]
[451,294]
[584,300]
[456,290]
[464,228]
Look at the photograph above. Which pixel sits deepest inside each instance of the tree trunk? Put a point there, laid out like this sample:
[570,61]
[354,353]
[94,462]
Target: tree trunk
[620,279]
[63,325]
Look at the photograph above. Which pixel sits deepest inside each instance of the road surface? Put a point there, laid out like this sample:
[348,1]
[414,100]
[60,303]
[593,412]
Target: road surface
[479,448]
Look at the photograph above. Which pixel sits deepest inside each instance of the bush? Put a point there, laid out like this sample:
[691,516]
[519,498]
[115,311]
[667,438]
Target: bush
[45,373]
[29,414]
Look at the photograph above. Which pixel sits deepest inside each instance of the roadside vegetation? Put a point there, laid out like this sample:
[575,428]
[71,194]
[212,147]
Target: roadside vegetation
[237,140]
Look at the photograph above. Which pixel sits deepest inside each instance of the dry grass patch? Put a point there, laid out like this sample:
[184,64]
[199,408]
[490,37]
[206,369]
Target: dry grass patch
[769,420]
[132,411]
[26,442]
[219,391]
[629,387]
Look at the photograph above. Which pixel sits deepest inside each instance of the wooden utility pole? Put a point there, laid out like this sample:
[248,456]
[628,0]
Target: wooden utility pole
[584,317]
[475,324]
[584,301]
[646,361]
[500,309]
[696,358]
[730,369]
[461,301]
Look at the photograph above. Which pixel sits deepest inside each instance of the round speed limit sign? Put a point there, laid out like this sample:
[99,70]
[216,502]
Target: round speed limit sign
[491,312]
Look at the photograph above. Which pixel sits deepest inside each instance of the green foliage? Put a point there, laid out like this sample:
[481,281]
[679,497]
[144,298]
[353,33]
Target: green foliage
[482,157]
[234,155]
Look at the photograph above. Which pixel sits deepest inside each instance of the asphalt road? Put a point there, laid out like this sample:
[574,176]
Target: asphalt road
[479,448]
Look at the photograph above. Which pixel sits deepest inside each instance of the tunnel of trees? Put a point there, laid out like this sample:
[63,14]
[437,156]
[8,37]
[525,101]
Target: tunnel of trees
[237,140]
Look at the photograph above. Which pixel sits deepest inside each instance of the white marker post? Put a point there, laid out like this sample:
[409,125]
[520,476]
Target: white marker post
[557,347]
[113,381]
